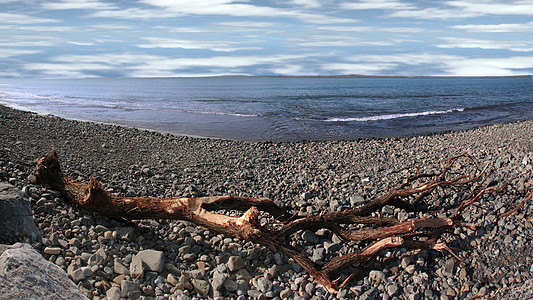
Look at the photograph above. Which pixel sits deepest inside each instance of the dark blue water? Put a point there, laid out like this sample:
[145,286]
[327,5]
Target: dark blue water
[281,108]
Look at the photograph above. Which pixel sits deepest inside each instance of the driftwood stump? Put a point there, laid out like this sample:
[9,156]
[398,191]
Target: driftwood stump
[377,233]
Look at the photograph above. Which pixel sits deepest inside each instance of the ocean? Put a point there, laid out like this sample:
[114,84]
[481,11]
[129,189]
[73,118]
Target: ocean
[270,108]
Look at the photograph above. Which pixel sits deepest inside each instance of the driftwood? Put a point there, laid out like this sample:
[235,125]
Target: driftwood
[373,232]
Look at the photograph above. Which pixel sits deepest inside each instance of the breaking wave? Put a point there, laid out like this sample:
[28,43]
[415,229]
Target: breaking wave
[394,116]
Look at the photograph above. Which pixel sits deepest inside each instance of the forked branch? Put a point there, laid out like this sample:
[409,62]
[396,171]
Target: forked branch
[378,232]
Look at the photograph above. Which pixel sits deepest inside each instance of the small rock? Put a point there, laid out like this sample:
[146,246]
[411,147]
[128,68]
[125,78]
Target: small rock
[172,269]
[119,278]
[32,178]
[218,280]
[136,267]
[100,228]
[306,196]
[263,284]
[318,254]
[97,258]
[387,210]
[129,288]
[451,292]
[147,260]
[462,274]
[406,261]
[310,237]
[148,290]
[410,269]
[356,200]
[74,242]
[119,268]
[113,293]
[508,240]
[254,294]
[428,293]
[286,294]
[77,275]
[201,286]
[230,285]
[183,283]
[147,172]
[52,250]
[310,289]
[243,274]
[392,289]
[235,263]
[332,247]
[125,233]
[376,276]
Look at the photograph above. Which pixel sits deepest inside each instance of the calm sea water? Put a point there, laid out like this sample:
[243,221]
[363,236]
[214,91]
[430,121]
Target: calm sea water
[280,108]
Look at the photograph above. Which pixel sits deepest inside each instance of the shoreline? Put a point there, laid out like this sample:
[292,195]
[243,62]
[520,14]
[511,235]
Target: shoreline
[303,177]
[285,138]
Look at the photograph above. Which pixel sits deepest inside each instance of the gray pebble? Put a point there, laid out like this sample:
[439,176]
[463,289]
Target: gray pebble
[310,237]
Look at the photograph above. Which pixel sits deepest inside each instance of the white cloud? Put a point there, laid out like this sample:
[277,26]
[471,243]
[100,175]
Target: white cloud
[413,59]
[466,9]
[291,69]
[443,64]
[108,59]
[434,13]
[136,13]
[250,24]
[77,70]
[222,61]
[500,28]
[216,64]
[346,28]
[330,40]
[519,7]
[358,68]
[486,44]
[29,43]
[307,3]
[140,65]
[6,52]
[231,8]
[377,4]
[508,66]
[45,28]
[224,46]
[111,26]
[13,18]
[346,42]
[371,29]
[78,4]
[81,43]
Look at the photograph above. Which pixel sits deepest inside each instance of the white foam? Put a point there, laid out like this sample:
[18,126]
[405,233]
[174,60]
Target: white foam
[394,116]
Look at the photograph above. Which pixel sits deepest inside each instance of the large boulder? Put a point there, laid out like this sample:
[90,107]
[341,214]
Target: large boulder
[25,274]
[16,219]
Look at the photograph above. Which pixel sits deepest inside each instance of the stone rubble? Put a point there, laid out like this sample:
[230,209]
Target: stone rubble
[165,259]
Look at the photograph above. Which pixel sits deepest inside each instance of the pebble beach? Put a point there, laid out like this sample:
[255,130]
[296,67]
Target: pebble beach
[189,262]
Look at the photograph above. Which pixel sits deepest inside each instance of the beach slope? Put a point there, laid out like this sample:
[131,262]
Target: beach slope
[304,177]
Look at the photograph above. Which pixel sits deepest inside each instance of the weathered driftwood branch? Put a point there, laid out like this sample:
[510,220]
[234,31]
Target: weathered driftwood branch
[380,231]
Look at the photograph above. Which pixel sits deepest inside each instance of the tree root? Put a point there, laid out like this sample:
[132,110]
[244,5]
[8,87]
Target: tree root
[379,232]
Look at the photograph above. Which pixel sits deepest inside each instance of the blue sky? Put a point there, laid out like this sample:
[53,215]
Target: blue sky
[164,38]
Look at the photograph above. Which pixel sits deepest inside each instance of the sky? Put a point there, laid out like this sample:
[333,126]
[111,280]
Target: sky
[176,38]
